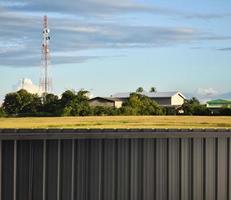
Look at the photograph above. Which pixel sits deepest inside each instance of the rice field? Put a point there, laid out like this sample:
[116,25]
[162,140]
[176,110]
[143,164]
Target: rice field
[118,122]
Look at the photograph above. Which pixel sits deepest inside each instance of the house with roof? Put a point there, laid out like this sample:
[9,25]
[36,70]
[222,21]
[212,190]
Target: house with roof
[216,105]
[164,99]
[106,102]
[219,103]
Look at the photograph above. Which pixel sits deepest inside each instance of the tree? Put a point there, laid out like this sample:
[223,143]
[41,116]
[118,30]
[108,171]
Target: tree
[51,105]
[193,100]
[21,103]
[75,104]
[2,113]
[140,90]
[12,103]
[138,104]
[67,97]
[34,107]
[193,107]
[152,89]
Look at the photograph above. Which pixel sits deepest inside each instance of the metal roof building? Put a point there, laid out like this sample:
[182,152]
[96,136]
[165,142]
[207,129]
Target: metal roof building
[106,102]
[219,103]
[162,98]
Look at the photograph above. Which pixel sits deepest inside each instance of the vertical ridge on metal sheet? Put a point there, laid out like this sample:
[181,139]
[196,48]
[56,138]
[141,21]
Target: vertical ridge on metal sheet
[210,169]
[204,168]
[38,172]
[228,169]
[31,169]
[123,171]
[58,169]
[167,167]
[23,170]
[180,169]
[15,170]
[192,169]
[136,170]
[66,169]
[109,172]
[44,168]
[161,169]
[0,169]
[186,169]
[95,169]
[216,166]
[148,169]
[129,167]
[82,176]
[222,169]
[73,169]
[7,170]
[173,169]
[100,169]
[198,169]
[52,169]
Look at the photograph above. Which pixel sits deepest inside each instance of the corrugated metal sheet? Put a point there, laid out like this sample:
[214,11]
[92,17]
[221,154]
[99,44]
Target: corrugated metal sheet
[180,168]
[148,94]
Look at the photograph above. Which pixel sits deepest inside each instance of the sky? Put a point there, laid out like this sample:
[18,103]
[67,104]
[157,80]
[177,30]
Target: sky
[117,46]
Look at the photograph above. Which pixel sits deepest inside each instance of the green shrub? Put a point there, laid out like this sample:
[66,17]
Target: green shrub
[2,113]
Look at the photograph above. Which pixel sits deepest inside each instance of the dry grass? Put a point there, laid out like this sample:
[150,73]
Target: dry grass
[118,122]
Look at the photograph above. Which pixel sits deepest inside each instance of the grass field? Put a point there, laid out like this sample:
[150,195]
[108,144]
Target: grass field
[118,122]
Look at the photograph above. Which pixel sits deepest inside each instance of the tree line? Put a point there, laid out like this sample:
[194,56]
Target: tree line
[72,103]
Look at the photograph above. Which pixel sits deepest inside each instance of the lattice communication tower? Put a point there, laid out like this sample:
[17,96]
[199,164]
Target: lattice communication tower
[45,80]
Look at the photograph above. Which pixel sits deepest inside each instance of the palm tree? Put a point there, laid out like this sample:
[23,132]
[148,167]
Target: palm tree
[153,89]
[140,90]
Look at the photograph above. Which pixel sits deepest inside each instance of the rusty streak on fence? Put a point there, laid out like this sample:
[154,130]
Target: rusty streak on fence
[115,164]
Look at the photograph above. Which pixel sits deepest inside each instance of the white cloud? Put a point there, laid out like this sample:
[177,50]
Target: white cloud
[207,92]
[28,85]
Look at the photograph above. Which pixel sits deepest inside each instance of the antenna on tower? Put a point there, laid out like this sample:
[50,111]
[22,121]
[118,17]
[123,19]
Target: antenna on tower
[45,80]
[23,84]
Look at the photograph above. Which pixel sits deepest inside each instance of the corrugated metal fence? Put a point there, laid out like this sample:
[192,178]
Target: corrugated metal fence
[182,167]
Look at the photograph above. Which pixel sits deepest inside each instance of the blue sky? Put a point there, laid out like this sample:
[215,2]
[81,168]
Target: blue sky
[116,46]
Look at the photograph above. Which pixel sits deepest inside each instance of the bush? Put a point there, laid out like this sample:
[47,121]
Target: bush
[193,107]
[104,111]
[169,111]
[2,113]
[21,103]
[225,111]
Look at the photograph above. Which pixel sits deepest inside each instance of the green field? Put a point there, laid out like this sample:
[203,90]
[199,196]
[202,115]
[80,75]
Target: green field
[118,122]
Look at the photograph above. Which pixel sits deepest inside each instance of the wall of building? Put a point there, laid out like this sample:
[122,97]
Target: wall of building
[118,104]
[177,100]
[101,102]
[163,101]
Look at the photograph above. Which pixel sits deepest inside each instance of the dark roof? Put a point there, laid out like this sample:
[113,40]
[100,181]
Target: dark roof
[105,98]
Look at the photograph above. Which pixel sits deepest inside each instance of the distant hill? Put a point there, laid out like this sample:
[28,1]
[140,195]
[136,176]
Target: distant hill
[204,99]
[224,96]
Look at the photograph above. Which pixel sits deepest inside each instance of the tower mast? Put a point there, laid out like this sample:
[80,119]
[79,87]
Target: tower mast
[45,80]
